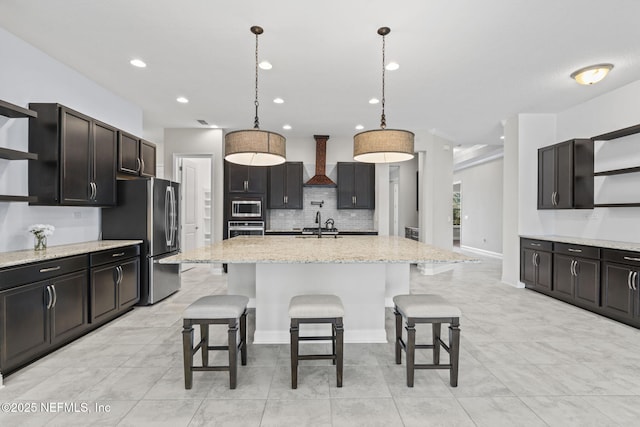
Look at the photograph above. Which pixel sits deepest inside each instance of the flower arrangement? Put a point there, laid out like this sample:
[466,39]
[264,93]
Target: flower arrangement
[40,232]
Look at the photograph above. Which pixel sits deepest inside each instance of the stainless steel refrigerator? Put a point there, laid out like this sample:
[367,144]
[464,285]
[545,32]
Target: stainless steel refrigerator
[148,210]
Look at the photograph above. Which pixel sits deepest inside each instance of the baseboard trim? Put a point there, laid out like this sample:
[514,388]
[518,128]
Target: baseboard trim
[481,252]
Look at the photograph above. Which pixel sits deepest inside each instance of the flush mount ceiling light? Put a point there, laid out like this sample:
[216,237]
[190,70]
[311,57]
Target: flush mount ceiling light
[255,147]
[383,145]
[592,74]
[138,63]
[182,100]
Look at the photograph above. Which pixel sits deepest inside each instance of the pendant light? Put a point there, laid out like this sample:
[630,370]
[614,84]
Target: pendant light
[255,147]
[383,145]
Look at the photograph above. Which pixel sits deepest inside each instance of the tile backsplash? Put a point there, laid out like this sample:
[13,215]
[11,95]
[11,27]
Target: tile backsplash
[344,219]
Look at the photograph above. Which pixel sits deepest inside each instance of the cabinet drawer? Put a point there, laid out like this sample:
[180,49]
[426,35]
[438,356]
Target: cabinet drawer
[114,255]
[622,257]
[577,250]
[540,245]
[35,272]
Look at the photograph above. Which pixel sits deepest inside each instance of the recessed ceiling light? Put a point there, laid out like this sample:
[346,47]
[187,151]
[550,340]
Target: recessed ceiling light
[278,101]
[213,126]
[182,100]
[392,66]
[286,127]
[374,101]
[359,127]
[265,65]
[592,74]
[138,63]
[502,137]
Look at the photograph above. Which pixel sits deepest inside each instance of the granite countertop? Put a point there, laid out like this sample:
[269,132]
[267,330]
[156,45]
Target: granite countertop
[610,244]
[310,249]
[26,256]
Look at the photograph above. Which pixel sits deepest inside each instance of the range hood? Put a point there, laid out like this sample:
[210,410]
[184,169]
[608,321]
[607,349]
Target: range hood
[320,179]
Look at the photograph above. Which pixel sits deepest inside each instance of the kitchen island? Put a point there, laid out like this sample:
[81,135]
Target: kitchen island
[364,271]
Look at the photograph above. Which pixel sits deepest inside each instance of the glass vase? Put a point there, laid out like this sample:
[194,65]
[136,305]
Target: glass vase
[40,242]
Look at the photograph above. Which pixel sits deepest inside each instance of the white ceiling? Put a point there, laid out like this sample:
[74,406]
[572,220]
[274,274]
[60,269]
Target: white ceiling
[465,65]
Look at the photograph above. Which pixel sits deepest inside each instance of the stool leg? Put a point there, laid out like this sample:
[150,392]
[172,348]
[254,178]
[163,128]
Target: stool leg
[339,350]
[333,342]
[294,353]
[454,346]
[398,337]
[233,353]
[204,348]
[435,327]
[243,338]
[187,353]
[411,351]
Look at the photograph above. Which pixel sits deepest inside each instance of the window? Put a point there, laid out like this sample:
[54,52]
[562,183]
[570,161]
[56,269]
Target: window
[456,208]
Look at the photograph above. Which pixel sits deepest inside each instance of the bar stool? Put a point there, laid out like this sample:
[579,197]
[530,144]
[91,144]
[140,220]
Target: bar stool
[432,309]
[316,309]
[211,310]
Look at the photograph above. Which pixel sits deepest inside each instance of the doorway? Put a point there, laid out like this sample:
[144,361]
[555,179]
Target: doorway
[457,212]
[194,172]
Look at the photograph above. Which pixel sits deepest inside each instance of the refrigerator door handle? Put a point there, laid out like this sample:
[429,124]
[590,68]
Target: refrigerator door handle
[167,213]
[172,216]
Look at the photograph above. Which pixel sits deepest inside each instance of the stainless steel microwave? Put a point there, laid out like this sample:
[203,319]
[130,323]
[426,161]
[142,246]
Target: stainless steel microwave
[246,208]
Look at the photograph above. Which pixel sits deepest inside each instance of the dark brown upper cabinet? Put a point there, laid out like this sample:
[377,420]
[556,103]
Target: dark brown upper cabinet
[136,157]
[285,186]
[565,175]
[245,179]
[76,163]
[356,185]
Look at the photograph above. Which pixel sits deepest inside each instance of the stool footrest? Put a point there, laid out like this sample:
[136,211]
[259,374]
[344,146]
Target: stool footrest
[316,338]
[210,368]
[315,356]
[430,366]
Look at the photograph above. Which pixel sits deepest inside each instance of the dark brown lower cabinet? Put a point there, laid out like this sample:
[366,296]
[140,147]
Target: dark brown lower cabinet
[576,279]
[621,285]
[40,316]
[114,287]
[536,265]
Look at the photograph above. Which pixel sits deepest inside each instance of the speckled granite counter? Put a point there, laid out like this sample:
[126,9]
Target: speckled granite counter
[364,271]
[9,259]
[310,249]
[611,244]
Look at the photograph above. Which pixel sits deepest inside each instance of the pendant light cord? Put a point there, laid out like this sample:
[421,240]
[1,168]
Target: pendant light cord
[256,121]
[383,119]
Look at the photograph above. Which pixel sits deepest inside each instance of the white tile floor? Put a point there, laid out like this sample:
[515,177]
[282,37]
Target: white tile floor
[526,360]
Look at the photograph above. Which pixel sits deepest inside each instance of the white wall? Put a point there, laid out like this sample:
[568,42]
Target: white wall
[200,141]
[481,216]
[29,75]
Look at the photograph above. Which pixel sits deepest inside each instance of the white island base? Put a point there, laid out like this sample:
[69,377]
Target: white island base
[365,290]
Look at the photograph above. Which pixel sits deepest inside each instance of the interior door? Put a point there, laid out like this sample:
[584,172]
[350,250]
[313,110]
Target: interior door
[189,204]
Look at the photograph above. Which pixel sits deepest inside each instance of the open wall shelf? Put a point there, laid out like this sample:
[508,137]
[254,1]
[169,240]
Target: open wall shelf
[14,111]
[18,198]
[618,171]
[9,154]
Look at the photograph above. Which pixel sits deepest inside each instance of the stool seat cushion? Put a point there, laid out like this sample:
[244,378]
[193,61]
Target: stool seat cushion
[425,305]
[217,307]
[315,306]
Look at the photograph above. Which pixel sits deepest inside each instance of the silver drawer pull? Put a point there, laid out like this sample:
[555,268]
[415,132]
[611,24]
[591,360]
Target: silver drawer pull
[628,258]
[535,244]
[117,255]
[574,250]
[45,270]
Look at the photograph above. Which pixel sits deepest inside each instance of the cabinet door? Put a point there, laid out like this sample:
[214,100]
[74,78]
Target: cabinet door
[544,272]
[364,185]
[69,309]
[277,186]
[257,177]
[104,292]
[563,276]
[237,177]
[128,152]
[75,151]
[564,175]
[129,287]
[24,331]
[293,185]
[346,185]
[546,177]
[587,281]
[147,158]
[617,296]
[105,146]
[528,267]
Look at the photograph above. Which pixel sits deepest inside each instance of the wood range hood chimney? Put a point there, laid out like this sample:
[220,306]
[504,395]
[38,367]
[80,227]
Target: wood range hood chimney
[320,178]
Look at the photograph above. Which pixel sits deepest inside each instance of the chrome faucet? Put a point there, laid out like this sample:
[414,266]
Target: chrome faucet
[319,222]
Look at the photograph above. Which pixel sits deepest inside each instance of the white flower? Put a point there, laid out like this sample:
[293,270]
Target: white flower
[41,229]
